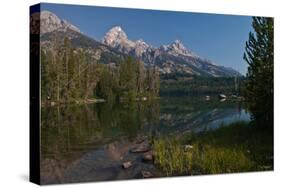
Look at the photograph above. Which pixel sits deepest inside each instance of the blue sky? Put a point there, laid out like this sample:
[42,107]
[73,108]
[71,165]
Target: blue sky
[220,38]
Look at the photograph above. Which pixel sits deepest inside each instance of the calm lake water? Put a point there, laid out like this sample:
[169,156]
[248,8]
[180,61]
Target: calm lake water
[90,142]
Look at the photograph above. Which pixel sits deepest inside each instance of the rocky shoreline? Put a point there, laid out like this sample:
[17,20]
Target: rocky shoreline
[143,149]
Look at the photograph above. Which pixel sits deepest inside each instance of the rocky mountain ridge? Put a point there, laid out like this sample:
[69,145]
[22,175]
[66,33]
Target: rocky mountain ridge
[50,22]
[171,58]
[115,46]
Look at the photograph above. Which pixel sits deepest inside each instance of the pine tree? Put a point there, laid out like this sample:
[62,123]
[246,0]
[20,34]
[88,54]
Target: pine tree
[56,64]
[45,76]
[149,80]
[128,79]
[65,69]
[259,56]
[105,85]
[140,77]
[80,83]
[156,82]
[71,75]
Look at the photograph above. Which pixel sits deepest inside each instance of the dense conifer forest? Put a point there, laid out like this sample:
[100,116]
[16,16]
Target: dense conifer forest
[70,75]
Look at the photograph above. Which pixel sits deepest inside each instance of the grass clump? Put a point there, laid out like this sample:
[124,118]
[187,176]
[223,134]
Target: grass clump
[228,149]
[170,156]
[224,160]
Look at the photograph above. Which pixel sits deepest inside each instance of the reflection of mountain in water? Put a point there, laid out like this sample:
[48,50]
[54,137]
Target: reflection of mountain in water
[89,142]
[201,120]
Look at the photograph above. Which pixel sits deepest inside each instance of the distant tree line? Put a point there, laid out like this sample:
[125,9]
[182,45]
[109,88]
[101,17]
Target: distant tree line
[70,75]
[177,85]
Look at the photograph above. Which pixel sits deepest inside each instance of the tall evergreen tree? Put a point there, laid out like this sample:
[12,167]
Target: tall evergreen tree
[57,70]
[65,69]
[259,56]
[156,83]
[128,79]
[140,77]
[71,75]
[45,77]
[106,84]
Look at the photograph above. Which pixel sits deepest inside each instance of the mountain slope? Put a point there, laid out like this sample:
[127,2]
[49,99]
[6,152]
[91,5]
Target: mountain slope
[49,22]
[172,58]
[54,29]
[115,47]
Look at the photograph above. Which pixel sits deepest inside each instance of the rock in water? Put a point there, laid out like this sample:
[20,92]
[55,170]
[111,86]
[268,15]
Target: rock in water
[146,174]
[148,156]
[144,147]
[141,139]
[127,164]
[144,98]
[222,100]
[222,96]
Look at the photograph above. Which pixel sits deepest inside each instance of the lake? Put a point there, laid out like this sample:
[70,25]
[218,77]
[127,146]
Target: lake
[90,142]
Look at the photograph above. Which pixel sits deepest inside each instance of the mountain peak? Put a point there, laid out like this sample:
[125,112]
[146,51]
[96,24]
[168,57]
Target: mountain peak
[177,48]
[114,36]
[117,28]
[140,41]
[46,13]
[171,58]
[177,45]
[117,38]
[178,42]
[50,22]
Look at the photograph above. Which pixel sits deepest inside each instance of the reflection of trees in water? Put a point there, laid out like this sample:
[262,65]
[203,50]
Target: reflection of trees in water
[68,132]
[77,128]
[72,128]
[179,115]
[239,108]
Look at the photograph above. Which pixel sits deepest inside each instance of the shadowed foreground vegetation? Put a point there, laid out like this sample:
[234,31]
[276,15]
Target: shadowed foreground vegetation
[238,147]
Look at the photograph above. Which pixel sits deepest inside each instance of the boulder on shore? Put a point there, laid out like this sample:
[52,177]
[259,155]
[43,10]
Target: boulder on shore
[148,156]
[141,148]
[141,139]
[146,174]
[127,164]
